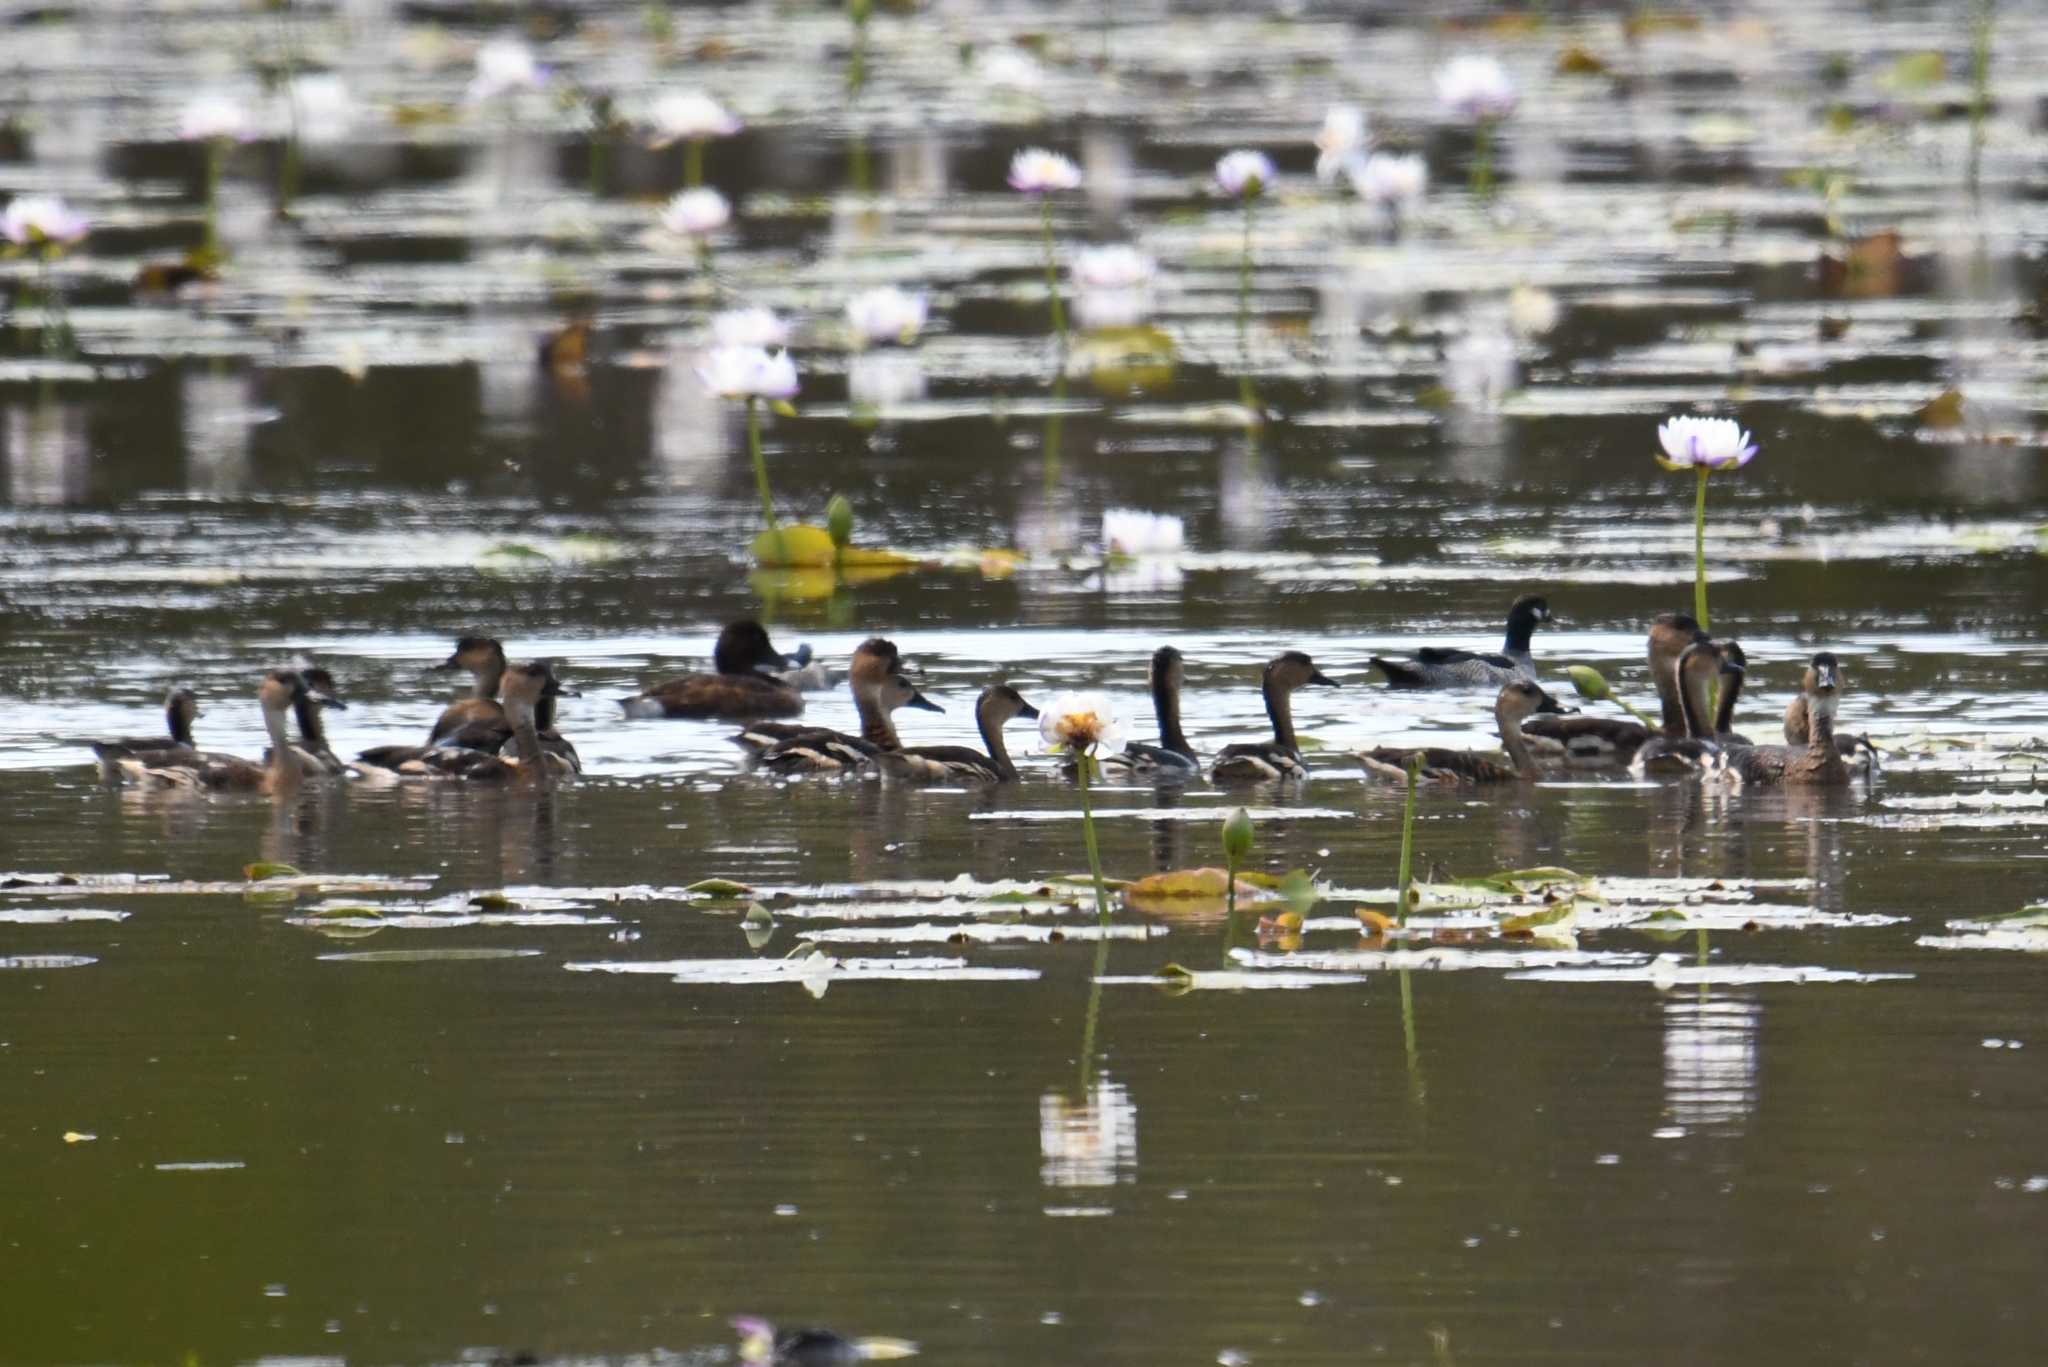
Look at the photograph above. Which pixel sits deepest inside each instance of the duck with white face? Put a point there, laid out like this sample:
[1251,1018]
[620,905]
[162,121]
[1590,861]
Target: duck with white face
[1279,758]
[1516,703]
[998,705]
[1818,763]
[1447,667]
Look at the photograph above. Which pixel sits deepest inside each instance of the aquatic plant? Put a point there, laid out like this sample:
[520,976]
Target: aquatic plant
[1703,445]
[1244,175]
[1078,725]
[696,215]
[1132,532]
[1592,685]
[1035,171]
[1112,285]
[749,327]
[692,118]
[1341,143]
[754,374]
[1237,847]
[1478,91]
[1392,184]
[45,227]
[504,66]
[886,315]
[218,121]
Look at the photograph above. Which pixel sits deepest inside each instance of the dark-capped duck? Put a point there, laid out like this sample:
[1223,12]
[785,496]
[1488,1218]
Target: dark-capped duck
[527,689]
[818,750]
[1280,757]
[319,693]
[998,705]
[281,772]
[1817,763]
[181,709]
[1734,673]
[1173,757]
[484,658]
[1444,667]
[746,684]
[1517,702]
[1699,664]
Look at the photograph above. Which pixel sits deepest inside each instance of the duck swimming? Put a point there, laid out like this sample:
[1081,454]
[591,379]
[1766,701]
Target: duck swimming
[1173,757]
[484,658]
[1734,673]
[746,684]
[997,706]
[1594,742]
[527,689]
[1819,762]
[1698,666]
[1280,757]
[316,756]
[281,773]
[181,709]
[1518,701]
[1797,732]
[761,1346]
[879,686]
[1440,667]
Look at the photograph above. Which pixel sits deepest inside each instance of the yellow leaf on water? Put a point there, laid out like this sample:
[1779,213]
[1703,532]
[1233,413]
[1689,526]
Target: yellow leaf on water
[78,1137]
[255,872]
[1192,883]
[1945,410]
[1375,922]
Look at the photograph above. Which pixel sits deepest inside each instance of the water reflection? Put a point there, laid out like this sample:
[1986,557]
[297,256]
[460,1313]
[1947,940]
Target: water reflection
[219,418]
[48,452]
[1710,1061]
[1090,1142]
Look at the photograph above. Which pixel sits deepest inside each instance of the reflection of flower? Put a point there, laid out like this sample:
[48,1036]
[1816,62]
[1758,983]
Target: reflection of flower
[748,372]
[320,107]
[1531,311]
[1475,88]
[1112,308]
[1129,531]
[881,379]
[1479,368]
[1391,182]
[1117,266]
[1078,722]
[213,116]
[42,220]
[886,314]
[1342,142]
[696,213]
[690,116]
[1704,444]
[1710,1061]
[754,327]
[504,65]
[1244,174]
[1036,171]
[1007,68]
[1088,1143]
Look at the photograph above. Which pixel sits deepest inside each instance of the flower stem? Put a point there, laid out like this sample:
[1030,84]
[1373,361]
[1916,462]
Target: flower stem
[1052,279]
[761,472]
[693,163]
[216,153]
[1482,159]
[1084,763]
[1699,551]
[1229,908]
[1407,878]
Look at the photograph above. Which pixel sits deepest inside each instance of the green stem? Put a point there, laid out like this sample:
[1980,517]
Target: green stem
[216,153]
[1699,551]
[1407,877]
[288,162]
[1054,421]
[1482,159]
[1980,86]
[1229,909]
[761,473]
[693,163]
[1408,1040]
[1094,1011]
[1084,762]
[857,168]
[857,64]
[1052,279]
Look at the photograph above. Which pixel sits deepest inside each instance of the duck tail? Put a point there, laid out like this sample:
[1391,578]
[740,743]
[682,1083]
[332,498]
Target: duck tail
[1400,674]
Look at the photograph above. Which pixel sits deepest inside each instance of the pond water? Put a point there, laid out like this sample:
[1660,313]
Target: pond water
[494,1077]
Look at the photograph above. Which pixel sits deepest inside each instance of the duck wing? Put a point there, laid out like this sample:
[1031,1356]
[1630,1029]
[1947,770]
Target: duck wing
[937,763]
[1141,757]
[702,697]
[1256,762]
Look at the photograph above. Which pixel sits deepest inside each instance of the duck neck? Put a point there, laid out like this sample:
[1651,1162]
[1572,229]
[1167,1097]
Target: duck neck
[1668,701]
[1166,706]
[284,760]
[1820,727]
[1521,630]
[1511,741]
[489,678]
[544,714]
[875,726]
[1280,707]
[180,724]
[1724,716]
[526,740]
[991,728]
[311,729]
[1692,697]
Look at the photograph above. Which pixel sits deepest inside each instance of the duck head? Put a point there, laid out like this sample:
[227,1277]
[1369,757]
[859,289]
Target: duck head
[1292,669]
[743,647]
[320,688]
[477,654]
[1000,704]
[894,690]
[1524,698]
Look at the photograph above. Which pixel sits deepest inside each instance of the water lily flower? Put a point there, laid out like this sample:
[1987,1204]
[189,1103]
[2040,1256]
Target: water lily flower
[321,107]
[1117,266]
[887,314]
[42,220]
[1394,183]
[1036,171]
[504,65]
[1244,174]
[1007,68]
[1079,723]
[1704,444]
[748,372]
[1131,531]
[215,115]
[690,115]
[1341,144]
[749,327]
[696,213]
[1475,88]
[1480,368]
[1101,309]
[1531,311]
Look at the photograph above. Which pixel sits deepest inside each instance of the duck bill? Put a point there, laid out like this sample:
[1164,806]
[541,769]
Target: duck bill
[1825,679]
[1028,712]
[326,699]
[923,704]
[553,689]
[1318,677]
[1552,705]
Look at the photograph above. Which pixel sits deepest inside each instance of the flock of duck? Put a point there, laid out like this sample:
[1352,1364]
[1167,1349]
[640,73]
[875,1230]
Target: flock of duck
[504,731]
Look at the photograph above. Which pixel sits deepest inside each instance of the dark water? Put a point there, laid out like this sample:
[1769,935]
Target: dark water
[428,1140]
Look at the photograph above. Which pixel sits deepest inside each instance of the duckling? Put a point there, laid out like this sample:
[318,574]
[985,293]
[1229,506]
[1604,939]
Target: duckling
[1819,762]
[1697,666]
[281,773]
[1439,667]
[817,750]
[181,709]
[746,684]
[1855,748]
[998,705]
[1518,701]
[484,658]
[1280,757]
[1173,757]
[528,689]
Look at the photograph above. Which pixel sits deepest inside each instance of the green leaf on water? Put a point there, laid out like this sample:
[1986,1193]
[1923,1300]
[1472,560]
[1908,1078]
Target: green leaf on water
[719,887]
[257,872]
[1916,70]
[1521,880]
[491,901]
[355,913]
[1666,914]
[1175,973]
[1548,916]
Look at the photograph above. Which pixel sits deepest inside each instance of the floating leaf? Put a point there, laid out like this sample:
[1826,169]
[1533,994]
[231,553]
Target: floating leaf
[1199,883]
[345,913]
[1916,71]
[257,872]
[719,887]
[1576,61]
[1943,411]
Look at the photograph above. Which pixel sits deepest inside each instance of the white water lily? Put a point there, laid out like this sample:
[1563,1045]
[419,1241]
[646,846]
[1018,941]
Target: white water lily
[42,220]
[696,213]
[1531,311]
[321,107]
[1117,266]
[1036,171]
[1080,723]
[690,116]
[1475,88]
[1394,183]
[1704,444]
[1007,68]
[885,315]
[215,115]
[754,327]
[504,65]
[1131,531]
[1480,368]
[1100,309]
[1342,142]
[1244,174]
[748,372]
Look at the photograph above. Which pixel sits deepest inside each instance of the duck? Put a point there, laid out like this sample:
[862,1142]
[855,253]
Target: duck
[761,1346]
[318,693]
[1443,667]
[1517,702]
[280,773]
[181,709]
[747,682]
[879,685]
[1818,763]
[1173,757]
[1734,673]
[1698,665]
[1594,742]
[1855,748]
[998,705]
[471,721]
[527,690]
[1278,758]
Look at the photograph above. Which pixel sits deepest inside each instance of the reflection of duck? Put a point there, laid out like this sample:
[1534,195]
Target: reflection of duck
[879,686]
[1280,757]
[181,709]
[746,682]
[1173,757]
[997,706]
[1517,702]
[1439,667]
[275,695]
[1697,666]
[1819,762]
[761,1346]
[1597,741]
[527,689]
